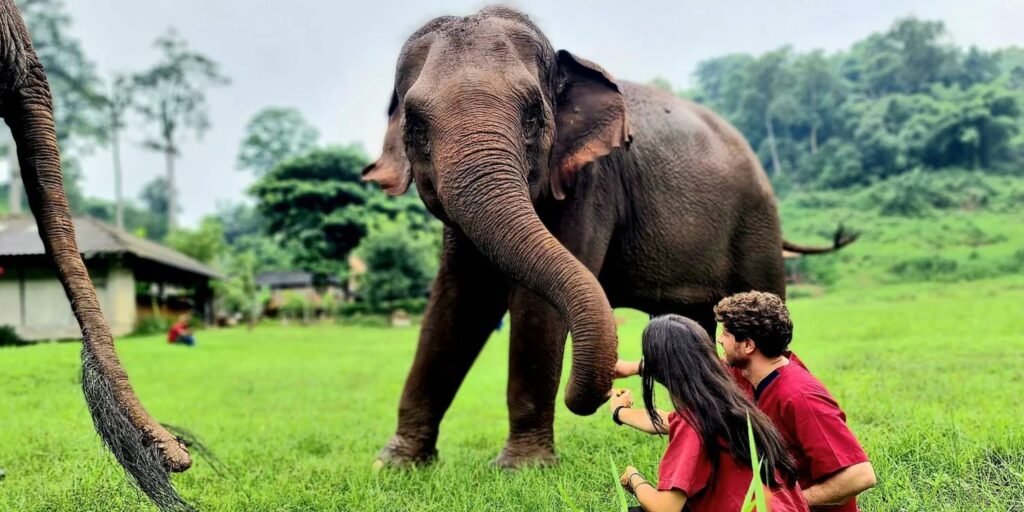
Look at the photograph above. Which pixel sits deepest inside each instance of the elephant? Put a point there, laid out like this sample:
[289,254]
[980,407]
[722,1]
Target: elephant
[147,450]
[564,193]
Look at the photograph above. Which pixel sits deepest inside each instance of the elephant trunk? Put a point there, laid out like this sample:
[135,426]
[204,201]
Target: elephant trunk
[486,194]
[142,446]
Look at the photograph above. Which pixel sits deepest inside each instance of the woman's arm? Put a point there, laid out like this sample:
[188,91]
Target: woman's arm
[650,498]
[636,418]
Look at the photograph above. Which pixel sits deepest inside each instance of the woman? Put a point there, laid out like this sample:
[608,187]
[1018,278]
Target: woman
[706,466]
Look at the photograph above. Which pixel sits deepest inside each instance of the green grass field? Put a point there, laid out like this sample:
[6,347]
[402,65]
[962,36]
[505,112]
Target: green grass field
[931,376]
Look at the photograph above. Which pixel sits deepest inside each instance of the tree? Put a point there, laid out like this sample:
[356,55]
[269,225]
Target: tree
[320,206]
[721,83]
[154,197]
[766,99]
[273,135]
[819,90]
[205,244]
[118,101]
[974,127]
[172,96]
[908,58]
[318,201]
[239,293]
[78,106]
[400,262]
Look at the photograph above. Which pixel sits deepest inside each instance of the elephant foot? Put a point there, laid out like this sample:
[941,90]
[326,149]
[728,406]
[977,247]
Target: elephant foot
[401,452]
[518,456]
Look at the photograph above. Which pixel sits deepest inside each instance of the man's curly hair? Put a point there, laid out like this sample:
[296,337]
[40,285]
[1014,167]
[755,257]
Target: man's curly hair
[758,316]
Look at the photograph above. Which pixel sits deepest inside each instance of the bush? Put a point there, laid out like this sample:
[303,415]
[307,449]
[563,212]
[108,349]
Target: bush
[928,268]
[9,337]
[151,324]
[294,305]
[918,193]
[400,262]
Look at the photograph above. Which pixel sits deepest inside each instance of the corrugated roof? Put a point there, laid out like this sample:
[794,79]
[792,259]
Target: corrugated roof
[19,236]
[291,278]
[284,278]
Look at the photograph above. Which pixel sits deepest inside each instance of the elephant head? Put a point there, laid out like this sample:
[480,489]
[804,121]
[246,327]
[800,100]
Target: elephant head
[488,119]
[147,450]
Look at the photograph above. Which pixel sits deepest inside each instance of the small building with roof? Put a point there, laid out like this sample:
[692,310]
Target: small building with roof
[134,278]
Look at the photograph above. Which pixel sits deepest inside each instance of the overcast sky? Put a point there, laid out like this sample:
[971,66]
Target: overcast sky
[334,61]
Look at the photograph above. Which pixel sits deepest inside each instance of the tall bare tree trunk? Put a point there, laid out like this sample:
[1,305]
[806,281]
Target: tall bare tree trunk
[171,194]
[776,166]
[814,138]
[14,189]
[115,144]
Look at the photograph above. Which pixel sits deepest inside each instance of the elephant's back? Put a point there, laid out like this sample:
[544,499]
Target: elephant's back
[689,136]
[696,190]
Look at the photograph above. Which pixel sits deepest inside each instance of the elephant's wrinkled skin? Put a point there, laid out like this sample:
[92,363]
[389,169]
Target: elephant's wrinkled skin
[147,450]
[564,193]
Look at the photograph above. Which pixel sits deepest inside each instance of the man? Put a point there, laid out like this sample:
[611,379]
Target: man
[179,333]
[832,467]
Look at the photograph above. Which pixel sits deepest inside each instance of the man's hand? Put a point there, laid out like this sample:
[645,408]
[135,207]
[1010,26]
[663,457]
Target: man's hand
[620,397]
[625,369]
[624,479]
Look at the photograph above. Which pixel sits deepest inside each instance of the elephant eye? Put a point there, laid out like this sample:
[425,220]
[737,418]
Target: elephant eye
[416,133]
[533,122]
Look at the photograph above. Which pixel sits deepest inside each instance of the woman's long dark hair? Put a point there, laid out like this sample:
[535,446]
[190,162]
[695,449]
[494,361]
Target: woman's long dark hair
[679,355]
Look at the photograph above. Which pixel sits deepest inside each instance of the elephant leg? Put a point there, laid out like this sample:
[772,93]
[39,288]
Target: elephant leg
[535,367]
[703,314]
[467,302]
[537,343]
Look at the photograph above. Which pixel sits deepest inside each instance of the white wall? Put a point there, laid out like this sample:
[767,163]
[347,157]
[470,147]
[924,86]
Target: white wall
[47,312]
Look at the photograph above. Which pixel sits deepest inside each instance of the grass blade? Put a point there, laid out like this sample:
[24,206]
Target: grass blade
[623,503]
[570,505]
[756,493]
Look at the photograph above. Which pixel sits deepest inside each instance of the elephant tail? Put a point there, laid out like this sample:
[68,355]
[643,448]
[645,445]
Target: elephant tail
[840,239]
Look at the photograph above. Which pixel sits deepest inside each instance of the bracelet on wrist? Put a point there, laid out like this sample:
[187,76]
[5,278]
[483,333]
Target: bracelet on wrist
[615,414]
[630,480]
[645,482]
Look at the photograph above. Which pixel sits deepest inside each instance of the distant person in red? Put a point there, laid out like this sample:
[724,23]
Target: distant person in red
[180,333]
[706,466]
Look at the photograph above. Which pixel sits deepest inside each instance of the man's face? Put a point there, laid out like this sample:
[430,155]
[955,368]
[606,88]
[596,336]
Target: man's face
[737,353]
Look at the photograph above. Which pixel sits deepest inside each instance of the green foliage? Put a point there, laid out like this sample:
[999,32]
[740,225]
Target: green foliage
[9,337]
[79,109]
[401,262]
[943,226]
[205,244]
[272,136]
[897,101]
[295,305]
[150,325]
[318,203]
[237,293]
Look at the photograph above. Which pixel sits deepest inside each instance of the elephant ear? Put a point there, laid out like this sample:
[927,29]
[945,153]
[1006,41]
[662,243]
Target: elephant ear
[591,119]
[391,171]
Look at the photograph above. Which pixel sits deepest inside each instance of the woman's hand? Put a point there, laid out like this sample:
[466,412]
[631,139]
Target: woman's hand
[625,369]
[624,479]
[620,397]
